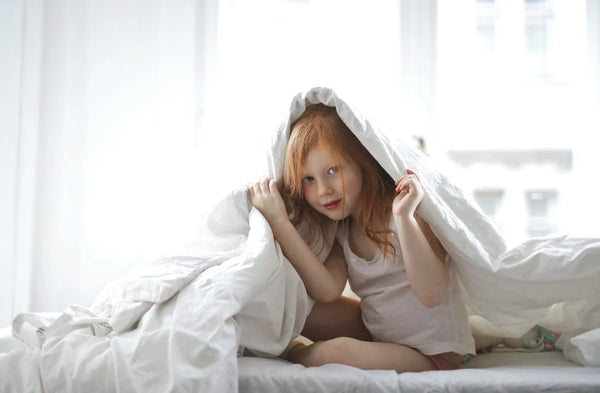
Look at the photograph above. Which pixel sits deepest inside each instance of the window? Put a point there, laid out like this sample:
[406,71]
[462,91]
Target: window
[485,27]
[538,25]
[489,201]
[541,205]
[515,124]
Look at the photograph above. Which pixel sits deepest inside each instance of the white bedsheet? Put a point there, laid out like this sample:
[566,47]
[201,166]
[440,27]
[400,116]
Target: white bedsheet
[489,373]
[176,324]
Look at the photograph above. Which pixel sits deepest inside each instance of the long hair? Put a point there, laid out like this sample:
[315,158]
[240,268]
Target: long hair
[320,126]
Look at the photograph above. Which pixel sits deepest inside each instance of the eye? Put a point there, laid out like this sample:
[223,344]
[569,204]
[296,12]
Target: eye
[333,170]
[307,179]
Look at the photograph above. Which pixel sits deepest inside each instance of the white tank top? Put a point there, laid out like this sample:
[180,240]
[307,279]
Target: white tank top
[392,312]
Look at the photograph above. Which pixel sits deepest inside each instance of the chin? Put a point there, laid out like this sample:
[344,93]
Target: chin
[337,216]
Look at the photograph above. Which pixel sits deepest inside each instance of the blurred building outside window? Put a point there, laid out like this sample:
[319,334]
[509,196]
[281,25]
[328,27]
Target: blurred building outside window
[513,115]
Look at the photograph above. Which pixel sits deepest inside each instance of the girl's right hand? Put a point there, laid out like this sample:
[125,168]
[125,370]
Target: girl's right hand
[265,196]
[410,193]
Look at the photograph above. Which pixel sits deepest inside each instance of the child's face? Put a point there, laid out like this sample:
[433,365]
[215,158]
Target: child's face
[324,189]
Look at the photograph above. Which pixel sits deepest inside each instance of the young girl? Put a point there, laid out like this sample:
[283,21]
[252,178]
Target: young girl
[410,304]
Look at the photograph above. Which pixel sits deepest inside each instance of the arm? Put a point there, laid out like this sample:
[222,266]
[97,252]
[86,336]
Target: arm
[324,282]
[424,256]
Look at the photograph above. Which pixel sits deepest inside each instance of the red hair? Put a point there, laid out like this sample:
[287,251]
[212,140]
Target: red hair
[320,126]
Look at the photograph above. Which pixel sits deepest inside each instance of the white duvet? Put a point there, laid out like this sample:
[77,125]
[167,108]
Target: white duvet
[178,323]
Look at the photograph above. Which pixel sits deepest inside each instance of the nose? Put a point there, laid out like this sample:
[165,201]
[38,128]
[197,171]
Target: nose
[324,188]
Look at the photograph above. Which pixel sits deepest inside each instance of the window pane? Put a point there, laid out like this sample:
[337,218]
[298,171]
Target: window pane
[541,203]
[489,201]
[537,40]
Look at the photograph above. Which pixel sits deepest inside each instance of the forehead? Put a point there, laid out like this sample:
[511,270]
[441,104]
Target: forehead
[320,158]
[319,155]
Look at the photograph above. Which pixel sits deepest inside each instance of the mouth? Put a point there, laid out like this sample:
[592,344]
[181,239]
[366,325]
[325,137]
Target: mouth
[332,205]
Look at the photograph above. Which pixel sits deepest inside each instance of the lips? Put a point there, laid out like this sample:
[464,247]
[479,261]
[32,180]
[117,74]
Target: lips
[332,205]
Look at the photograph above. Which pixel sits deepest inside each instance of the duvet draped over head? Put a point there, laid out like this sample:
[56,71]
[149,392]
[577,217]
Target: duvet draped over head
[179,322]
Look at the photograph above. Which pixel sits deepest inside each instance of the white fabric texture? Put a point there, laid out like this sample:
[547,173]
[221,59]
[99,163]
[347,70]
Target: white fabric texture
[177,324]
[393,313]
[506,372]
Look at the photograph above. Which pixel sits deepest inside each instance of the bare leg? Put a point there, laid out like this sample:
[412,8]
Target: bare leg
[482,342]
[366,355]
[492,342]
[340,318]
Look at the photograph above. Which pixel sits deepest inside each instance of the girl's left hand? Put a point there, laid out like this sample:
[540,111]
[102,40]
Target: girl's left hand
[410,193]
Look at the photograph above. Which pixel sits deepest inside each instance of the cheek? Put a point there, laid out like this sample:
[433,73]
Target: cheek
[353,185]
[309,195]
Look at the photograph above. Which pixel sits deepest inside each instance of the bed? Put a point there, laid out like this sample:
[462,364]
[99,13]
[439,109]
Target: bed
[504,372]
[180,322]
[490,373]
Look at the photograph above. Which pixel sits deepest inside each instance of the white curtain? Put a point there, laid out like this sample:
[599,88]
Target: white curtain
[99,141]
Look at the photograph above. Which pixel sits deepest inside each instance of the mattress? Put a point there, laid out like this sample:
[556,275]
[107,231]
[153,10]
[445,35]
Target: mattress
[492,372]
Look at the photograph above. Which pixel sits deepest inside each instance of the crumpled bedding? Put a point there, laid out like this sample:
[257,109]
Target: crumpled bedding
[179,322]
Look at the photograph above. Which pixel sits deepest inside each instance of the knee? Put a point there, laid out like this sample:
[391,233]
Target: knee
[336,350]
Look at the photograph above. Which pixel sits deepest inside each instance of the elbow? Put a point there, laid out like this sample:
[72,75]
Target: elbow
[431,301]
[328,296]
[434,298]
